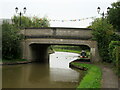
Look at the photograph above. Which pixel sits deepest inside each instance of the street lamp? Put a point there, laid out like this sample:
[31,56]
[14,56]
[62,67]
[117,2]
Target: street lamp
[103,14]
[20,13]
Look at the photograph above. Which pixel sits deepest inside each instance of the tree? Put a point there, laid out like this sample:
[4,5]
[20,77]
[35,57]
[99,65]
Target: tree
[40,22]
[114,15]
[25,21]
[102,32]
[30,22]
[10,41]
[11,38]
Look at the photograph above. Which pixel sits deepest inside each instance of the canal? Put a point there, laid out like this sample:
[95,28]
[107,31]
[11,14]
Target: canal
[56,74]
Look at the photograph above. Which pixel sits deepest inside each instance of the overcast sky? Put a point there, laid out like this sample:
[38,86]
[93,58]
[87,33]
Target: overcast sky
[57,9]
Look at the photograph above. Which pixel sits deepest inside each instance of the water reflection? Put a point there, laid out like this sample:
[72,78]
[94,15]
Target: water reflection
[62,59]
[57,74]
[59,64]
[64,75]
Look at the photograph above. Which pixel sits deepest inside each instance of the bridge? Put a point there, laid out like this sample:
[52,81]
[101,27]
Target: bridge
[35,45]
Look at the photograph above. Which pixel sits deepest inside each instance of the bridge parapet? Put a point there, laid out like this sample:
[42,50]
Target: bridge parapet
[50,32]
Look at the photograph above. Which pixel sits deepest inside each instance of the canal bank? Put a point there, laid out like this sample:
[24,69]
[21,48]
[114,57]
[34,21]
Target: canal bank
[14,62]
[104,76]
[93,75]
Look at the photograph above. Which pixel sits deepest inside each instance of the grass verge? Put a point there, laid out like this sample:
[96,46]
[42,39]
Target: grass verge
[67,50]
[93,76]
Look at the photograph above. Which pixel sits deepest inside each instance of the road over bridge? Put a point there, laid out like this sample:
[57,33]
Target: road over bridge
[35,45]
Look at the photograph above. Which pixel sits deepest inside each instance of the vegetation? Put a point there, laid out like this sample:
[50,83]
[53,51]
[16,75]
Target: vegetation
[102,32]
[117,57]
[74,49]
[63,48]
[112,46]
[30,22]
[114,53]
[67,50]
[11,38]
[10,41]
[114,15]
[93,76]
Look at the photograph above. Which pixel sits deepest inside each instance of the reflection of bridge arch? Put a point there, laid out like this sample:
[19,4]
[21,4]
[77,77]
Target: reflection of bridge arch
[35,46]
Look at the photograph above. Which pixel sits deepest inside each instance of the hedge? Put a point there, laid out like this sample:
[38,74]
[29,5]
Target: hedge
[116,57]
[112,46]
[114,52]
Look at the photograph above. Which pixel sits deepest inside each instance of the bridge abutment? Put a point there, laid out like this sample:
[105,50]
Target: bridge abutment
[35,52]
[94,55]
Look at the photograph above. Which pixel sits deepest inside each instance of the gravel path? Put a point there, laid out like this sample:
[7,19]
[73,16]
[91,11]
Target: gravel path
[109,78]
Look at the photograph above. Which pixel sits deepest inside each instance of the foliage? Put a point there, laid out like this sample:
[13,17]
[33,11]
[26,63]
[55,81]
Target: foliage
[112,47]
[73,49]
[40,22]
[102,32]
[10,41]
[114,53]
[114,15]
[93,77]
[66,50]
[30,22]
[11,37]
[118,60]
[66,47]
[25,21]
[115,37]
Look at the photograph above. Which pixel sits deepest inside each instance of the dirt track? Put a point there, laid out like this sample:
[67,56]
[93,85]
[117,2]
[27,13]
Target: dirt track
[109,78]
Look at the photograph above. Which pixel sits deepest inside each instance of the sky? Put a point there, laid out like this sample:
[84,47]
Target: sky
[57,10]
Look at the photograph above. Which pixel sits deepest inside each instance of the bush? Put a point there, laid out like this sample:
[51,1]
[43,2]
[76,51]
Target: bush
[10,41]
[112,46]
[114,15]
[114,53]
[115,37]
[116,59]
[102,32]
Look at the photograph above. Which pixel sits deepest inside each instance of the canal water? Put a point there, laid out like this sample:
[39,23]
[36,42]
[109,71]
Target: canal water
[56,74]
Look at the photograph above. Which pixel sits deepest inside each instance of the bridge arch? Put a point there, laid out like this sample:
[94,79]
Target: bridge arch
[35,49]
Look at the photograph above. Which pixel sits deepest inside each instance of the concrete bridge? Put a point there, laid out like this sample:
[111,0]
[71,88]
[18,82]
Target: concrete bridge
[35,46]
